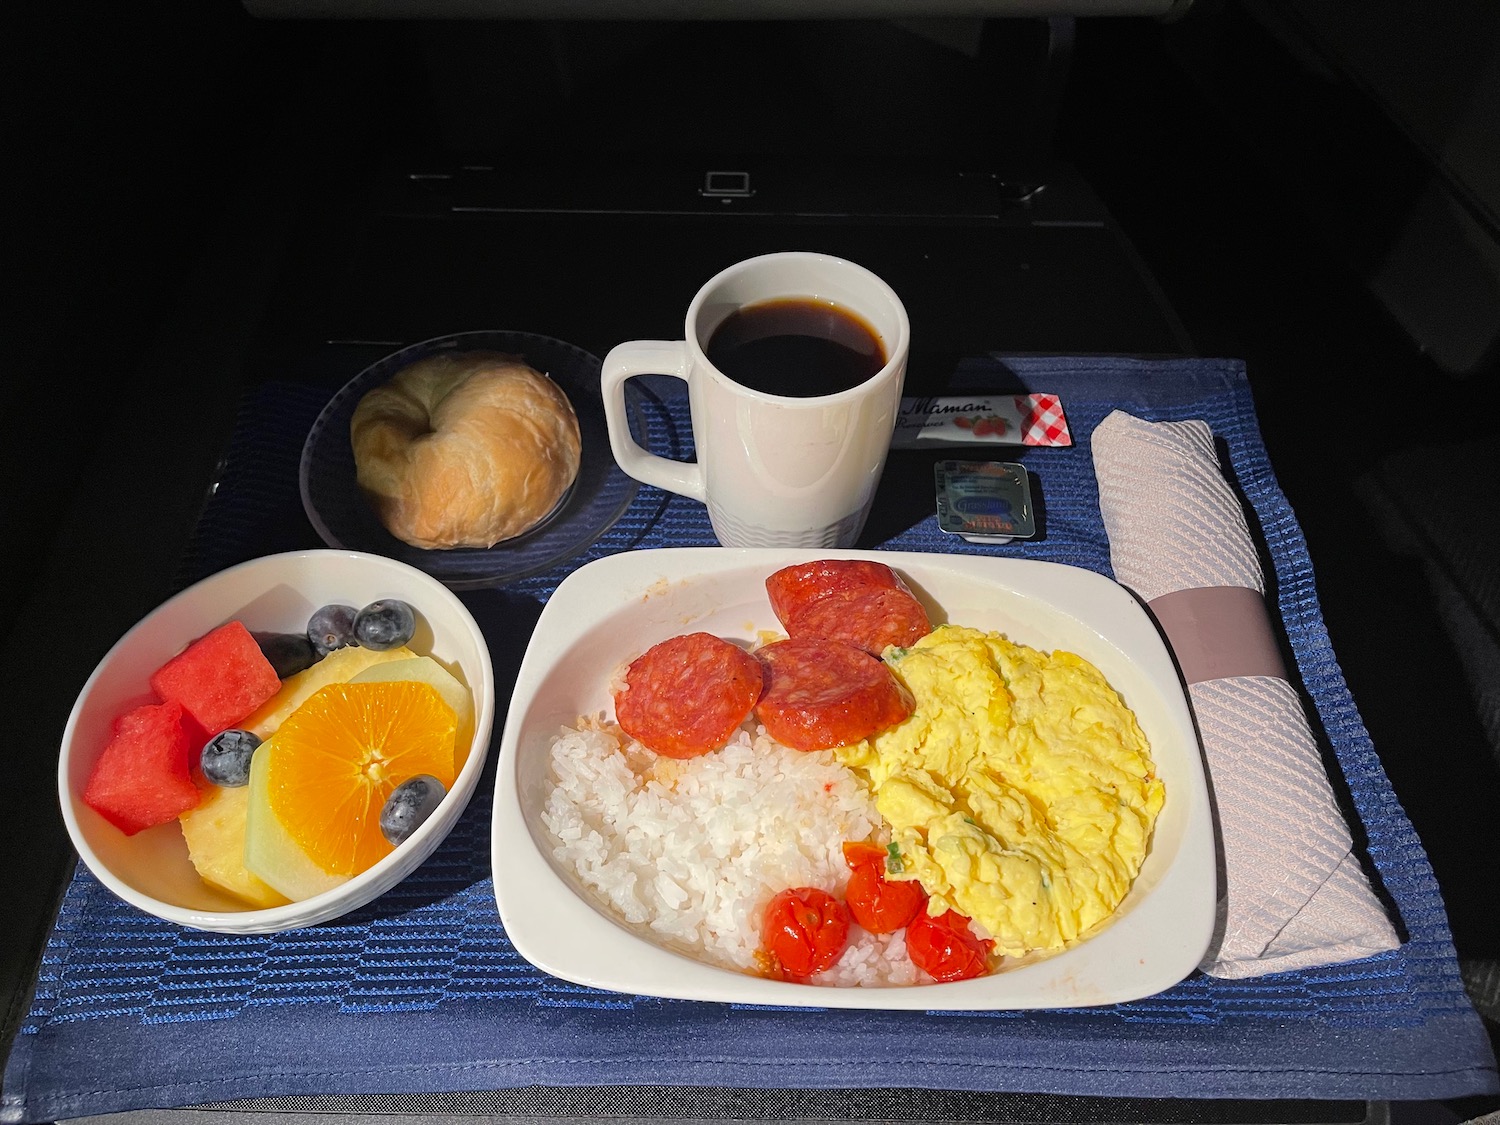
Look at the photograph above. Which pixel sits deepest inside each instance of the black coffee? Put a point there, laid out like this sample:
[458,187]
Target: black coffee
[796,347]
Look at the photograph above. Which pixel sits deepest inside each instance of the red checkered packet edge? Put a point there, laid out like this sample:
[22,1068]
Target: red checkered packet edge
[1029,419]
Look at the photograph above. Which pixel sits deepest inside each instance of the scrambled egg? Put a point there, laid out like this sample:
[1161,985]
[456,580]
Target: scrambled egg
[1020,792]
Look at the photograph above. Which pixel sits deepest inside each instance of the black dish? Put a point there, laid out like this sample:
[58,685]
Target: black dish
[599,496]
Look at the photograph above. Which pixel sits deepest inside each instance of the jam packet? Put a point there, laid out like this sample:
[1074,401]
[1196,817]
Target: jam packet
[984,501]
[970,420]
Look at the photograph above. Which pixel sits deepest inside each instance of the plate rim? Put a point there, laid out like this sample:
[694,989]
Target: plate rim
[517,863]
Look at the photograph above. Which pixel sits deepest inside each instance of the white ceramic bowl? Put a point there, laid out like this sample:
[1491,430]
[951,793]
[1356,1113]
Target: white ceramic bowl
[151,869]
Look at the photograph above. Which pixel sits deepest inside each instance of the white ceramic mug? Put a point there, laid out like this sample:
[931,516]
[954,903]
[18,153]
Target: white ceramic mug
[774,471]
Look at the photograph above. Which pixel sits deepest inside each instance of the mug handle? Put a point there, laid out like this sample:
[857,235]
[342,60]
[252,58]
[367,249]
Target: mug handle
[646,357]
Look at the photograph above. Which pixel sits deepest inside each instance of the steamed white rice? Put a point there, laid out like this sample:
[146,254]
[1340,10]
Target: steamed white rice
[690,852]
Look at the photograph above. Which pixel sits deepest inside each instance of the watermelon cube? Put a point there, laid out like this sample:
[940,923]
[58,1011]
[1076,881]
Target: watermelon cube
[144,776]
[219,679]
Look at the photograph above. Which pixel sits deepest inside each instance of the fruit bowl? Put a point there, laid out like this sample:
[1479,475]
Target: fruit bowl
[152,869]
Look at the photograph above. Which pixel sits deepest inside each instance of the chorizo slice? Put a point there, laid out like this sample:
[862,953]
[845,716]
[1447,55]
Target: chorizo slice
[688,695]
[866,619]
[820,694]
[793,589]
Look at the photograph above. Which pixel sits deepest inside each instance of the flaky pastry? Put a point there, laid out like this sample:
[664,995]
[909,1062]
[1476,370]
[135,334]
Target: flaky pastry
[465,449]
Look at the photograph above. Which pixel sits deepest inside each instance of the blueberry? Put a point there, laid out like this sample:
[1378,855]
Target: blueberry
[409,804]
[226,758]
[385,624]
[288,653]
[332,627]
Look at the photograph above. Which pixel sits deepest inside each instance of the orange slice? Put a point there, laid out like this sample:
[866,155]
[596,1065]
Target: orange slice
[339,756]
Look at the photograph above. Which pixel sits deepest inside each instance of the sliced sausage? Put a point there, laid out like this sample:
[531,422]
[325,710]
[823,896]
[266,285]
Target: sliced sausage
[793,589]
[688,695]
[819,694]
[866,619]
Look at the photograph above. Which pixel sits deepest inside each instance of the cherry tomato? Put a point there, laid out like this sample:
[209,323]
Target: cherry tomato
[805,932]
[880,905]
[863,852]
[945,948]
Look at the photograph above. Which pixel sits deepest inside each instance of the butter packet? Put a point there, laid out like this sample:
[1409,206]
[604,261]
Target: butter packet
[1028,419]
[984,501]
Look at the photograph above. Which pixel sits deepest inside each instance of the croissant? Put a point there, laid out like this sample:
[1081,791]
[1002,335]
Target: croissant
[464,449]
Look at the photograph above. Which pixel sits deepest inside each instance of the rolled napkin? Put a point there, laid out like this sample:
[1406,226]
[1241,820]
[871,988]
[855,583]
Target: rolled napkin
[1294,895]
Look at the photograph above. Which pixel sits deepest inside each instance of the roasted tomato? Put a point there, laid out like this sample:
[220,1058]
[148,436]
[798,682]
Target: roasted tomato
[880,905]
[945,948]
[805,932]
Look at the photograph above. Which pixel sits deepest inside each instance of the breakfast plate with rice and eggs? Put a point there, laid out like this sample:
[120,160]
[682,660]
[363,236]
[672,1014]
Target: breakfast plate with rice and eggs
[886,780]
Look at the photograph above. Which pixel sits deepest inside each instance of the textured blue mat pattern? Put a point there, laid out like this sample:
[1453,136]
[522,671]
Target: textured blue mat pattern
[421,991]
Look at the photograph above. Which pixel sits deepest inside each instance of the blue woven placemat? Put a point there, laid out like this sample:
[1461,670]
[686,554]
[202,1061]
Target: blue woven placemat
[421,991]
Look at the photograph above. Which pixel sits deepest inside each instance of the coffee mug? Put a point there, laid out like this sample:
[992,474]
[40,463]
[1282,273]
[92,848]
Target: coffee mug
[793,414]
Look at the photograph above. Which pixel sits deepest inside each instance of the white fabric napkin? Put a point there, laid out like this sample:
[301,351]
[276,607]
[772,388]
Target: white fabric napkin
[1293,894]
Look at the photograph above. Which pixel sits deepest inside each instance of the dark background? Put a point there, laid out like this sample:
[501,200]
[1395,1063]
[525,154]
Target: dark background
[197,201]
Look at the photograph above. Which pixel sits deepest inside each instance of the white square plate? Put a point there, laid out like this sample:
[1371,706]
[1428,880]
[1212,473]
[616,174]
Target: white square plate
[619,606]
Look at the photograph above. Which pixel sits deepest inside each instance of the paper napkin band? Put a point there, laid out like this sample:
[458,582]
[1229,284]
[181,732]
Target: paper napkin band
[1219,631]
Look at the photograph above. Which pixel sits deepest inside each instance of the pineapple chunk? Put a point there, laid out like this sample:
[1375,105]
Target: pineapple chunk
[215,834]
